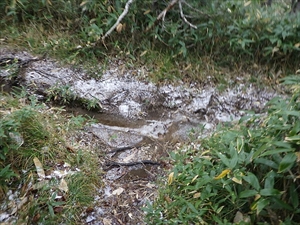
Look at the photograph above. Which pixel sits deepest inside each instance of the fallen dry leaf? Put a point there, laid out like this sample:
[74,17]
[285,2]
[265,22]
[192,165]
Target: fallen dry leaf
[197,195]
[58,209]
[298,156]
[168,199]
[170,178]
[89,210]
[70,149]
[36,218]
[119,28]
[223,174]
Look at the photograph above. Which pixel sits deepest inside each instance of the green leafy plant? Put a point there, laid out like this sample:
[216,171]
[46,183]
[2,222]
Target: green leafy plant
[5,175]
[61,93]
[249,168]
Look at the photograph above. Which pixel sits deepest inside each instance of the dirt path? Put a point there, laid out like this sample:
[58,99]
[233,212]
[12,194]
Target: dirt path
[151,120]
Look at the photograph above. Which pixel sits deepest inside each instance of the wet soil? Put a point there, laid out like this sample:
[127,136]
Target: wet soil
[149,119]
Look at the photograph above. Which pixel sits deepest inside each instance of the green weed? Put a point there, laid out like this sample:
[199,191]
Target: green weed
[63,94]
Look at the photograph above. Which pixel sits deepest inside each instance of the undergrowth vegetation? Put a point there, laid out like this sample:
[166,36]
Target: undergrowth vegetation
[43,177]
[232,33]
[244,173]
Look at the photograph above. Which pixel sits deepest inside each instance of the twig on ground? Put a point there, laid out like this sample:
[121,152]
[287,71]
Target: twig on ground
[183,16]
[163,14]
[196,10]
[110,164]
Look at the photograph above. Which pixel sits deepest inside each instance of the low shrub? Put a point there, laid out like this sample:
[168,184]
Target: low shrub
[244,173]
[228,31]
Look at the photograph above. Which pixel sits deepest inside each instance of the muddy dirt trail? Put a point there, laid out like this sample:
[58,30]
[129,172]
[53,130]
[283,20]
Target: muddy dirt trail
[138,124]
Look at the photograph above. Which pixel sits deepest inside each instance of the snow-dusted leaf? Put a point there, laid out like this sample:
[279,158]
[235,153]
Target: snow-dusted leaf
[66,165]
[107,221]
[118,191]
[40,184]
[149,185]
[17,138]
[236,180]
[238,217]
[19,206]
[128,158]
[63,186]
[39,168]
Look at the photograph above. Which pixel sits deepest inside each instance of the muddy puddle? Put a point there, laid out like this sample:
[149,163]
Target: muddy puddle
[138,124]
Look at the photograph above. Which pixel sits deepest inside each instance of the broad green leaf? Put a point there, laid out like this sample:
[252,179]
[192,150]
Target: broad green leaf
[234,157]
[282,144]
[266,162]
[191,207]
[259,151]
[290,113]
[248,193]
[261,204]
[283,204]
[293,138]
[287,162]
[239,144]
[277,150]
[246,117]
[292,79]
[296,128]
[224,159]
[269,181]
[269,192]
[51,211]
[252,180]
[6,173]
[294,198]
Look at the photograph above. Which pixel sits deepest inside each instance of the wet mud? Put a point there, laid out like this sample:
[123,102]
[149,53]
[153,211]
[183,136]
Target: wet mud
[150,120]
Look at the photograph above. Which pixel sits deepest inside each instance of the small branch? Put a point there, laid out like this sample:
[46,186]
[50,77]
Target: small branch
[196,10]
[118,20]
[183,16]
[163,14]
